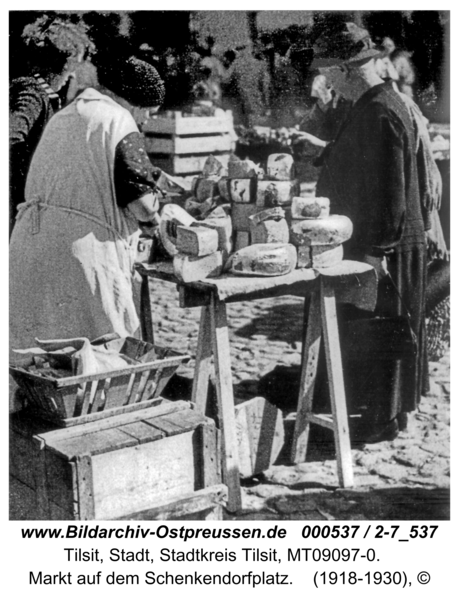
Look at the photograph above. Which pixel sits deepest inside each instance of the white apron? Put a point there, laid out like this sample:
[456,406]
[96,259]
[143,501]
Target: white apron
[72,248]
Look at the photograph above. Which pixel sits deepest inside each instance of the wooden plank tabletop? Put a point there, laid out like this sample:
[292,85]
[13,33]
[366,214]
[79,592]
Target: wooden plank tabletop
[354,282]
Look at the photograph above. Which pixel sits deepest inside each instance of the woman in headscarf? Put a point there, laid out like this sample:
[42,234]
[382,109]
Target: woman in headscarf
[90,183]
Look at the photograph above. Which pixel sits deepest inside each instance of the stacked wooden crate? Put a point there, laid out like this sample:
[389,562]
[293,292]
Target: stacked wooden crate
[160,459]
[180,144]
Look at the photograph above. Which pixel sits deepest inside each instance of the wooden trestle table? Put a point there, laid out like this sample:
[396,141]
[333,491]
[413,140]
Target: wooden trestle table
[351,282]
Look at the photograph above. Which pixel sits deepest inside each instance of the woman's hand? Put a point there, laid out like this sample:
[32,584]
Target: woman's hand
[145,208]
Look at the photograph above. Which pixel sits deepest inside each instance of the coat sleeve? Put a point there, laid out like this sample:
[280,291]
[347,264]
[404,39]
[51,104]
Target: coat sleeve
[385,153]
[26,108]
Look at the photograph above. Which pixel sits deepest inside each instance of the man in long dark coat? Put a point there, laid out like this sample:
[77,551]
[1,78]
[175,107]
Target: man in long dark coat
[369,174]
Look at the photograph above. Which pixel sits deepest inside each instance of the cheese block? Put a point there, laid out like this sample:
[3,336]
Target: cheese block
[240,214]
[223,188]
[271,231]
[275,193]
[224,228]
[242,169]
[199,210]
[310,208]
[197,241]
[270,213]
[190,268]
[324,256]
[264,260]
[242,240]
[243,190]
[334,229]
[204,188]
[172,216]
[280,167]
[213,167]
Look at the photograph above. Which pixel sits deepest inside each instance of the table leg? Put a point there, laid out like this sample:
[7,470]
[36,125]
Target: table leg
[203,365]
[336,384]
[312,335]
[224,385]
[146,319]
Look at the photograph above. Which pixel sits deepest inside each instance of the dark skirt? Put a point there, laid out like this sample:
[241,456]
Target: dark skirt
[381,388]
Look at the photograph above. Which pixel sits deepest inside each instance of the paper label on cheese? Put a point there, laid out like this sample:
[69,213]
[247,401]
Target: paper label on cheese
[275,193]
[280,167]
[242,190]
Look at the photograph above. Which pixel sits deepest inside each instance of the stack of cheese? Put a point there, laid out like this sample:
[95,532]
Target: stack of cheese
[252,191]
[198,248]
[260,204]
[208,190]
[317,234]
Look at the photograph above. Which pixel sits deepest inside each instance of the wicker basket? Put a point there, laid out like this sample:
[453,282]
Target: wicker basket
[72,400]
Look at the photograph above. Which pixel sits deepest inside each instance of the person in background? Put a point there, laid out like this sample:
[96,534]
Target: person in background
[245,86]
[90,184]
[369,172]
[430,188]
[58,69]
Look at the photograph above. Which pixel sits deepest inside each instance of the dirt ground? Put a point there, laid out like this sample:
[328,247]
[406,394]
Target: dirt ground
[407,479]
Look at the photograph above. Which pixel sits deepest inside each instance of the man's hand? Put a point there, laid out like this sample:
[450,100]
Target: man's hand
[321,90]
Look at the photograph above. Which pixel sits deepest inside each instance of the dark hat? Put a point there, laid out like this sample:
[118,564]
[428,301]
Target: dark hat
[350,44]
[133,79]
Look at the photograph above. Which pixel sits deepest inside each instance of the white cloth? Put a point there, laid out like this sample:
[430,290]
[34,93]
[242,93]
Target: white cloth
[72,249]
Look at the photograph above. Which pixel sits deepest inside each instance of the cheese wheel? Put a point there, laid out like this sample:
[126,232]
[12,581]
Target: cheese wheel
[172,216]
[310,208]
[189,268]
[327,255]
[264,260]
[334,229]
[280,167]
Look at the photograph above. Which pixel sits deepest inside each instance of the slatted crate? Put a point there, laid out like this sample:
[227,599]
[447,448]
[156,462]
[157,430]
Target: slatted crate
[119,466]
[69,401]
[180,144]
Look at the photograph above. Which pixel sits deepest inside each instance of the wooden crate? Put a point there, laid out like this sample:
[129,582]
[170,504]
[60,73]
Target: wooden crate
[114,467]
[69,401]
[180,144]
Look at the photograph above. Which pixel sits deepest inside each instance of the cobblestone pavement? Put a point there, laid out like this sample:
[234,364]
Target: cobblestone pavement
[408,478]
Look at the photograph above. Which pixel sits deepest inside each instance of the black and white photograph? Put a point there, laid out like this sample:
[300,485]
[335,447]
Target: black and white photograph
[229,265]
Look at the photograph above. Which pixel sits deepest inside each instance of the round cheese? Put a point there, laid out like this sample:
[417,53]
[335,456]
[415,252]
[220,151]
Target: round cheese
[310,208]
[264,260]
[334,229]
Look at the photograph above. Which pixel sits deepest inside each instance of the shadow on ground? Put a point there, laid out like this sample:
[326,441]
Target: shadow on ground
[280,322]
